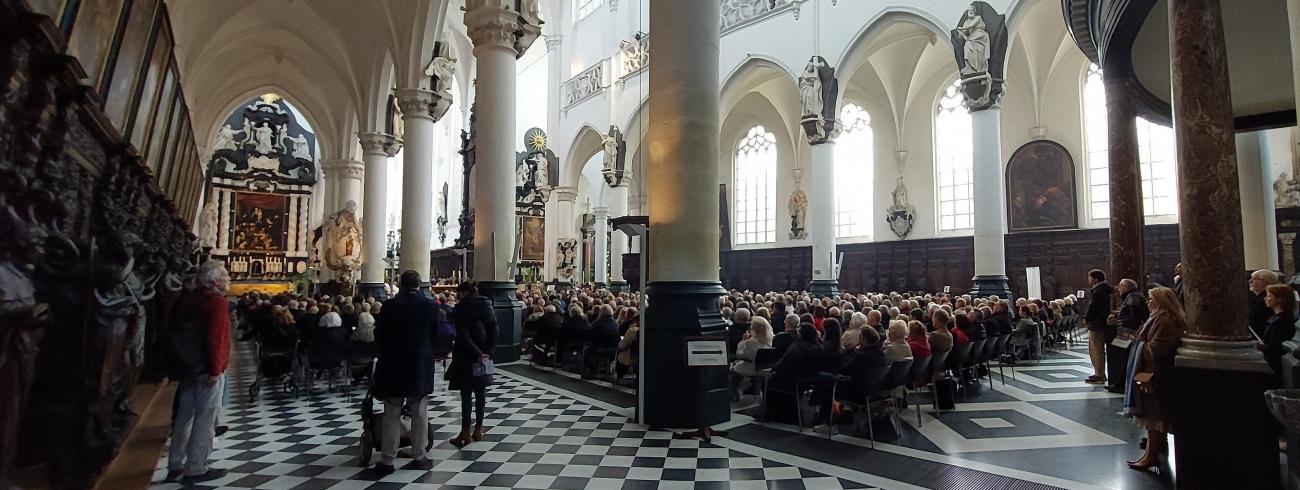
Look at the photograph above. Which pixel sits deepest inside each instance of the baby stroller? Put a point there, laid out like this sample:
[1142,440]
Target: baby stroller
[372,424]
[277,358]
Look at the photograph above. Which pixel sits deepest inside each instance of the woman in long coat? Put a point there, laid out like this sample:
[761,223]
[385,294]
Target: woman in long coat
[1150,376]
[476,333]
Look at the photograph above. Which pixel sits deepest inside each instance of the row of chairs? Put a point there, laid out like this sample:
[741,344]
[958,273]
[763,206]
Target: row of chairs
[582,358]
[331,355]
[883,383]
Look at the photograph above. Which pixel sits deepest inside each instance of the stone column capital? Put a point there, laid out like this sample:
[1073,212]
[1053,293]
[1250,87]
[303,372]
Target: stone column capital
[500,27]
[600,212]
[343,168]
[830,131]
[379,144]
[553,42]
[617,178]
[420,103]
[566,193]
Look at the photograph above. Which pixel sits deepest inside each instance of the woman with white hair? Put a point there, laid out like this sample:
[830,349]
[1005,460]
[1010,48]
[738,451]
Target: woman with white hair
[200,344]
[896,347]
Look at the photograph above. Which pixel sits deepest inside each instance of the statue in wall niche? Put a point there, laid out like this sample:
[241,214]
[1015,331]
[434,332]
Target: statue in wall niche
[208,225]
[976,42]
[900,215]
[443,71]
[226,138]
[610,143]
[798,207]
[810,91]
[818,92]
[343,241]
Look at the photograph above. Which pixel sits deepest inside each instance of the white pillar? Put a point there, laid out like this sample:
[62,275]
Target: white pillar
[821,219]
[417,180]
[376,149]
[225,205]
[346,175]
[566,198]
[554,74]
[601,244]
[492,30]
[617,239]
[1258,210]
[990,214]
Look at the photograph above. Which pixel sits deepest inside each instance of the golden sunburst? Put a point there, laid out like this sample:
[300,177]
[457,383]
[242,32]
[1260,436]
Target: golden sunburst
[537,141]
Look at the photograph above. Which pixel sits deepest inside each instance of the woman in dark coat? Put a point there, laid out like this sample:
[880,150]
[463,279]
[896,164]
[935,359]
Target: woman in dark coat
[1280,327]
[799,366]
[1158,340]
[476,332]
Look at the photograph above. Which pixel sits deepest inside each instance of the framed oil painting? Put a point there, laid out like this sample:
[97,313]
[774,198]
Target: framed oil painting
[141,120]
[93,34]
[1040,188]
[260,221]
[128,63]
[533,248]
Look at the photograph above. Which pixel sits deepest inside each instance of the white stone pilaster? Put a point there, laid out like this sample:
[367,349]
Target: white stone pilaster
[990,214]
[821,211]
[617,239]
[376,149]
[601,244]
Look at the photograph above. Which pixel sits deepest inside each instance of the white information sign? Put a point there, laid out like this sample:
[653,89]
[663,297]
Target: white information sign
[706,353]
[1033,279]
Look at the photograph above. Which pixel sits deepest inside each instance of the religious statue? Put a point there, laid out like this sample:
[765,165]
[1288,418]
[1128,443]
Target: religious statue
[530,10]
[226,138]
[810,91]
[1286,191]
[900,215]
[262,139]
[523,182]
[301,148]
[208,225]
[976,46]
[443,70]
[343,252]
[540,169]
[566,252]
[610,144]
[798,207]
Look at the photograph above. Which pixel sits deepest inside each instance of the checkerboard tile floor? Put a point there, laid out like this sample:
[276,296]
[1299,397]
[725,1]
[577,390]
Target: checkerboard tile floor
[536,439]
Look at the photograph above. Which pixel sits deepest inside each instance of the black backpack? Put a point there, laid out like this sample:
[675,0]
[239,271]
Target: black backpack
[186,346]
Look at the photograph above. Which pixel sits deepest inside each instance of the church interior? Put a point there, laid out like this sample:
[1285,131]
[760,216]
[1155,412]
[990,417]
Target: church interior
[1065,229]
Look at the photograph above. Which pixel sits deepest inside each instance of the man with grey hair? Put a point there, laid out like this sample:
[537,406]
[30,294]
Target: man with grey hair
[786,338]
[1259,312]
[199,338]
[736,330]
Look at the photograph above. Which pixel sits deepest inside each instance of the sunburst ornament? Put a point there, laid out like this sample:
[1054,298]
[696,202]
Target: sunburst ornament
[270,98]
[535,139]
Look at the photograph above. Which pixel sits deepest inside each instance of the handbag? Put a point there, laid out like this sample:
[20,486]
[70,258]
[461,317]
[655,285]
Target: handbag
[483,368]
[1143,382]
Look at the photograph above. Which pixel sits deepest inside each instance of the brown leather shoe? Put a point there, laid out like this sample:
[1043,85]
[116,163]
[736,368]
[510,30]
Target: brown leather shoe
[478,433]
[461,440]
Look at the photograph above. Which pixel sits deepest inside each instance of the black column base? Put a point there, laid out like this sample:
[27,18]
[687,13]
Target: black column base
[991,285]
[617,286]
[510,317]
[675,395]
[824,287]
[372,290]
[1225,436]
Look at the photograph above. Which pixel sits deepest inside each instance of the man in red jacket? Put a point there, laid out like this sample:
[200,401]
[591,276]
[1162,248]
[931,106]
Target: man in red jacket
[198,398]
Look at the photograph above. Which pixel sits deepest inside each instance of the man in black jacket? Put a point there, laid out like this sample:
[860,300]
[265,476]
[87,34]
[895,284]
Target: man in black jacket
[1259,312]
[404,333]
[782,341]
[1132,314]
[549,326]
[1098,312]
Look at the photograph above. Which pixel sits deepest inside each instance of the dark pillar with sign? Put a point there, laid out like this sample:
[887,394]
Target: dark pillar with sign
[683,290]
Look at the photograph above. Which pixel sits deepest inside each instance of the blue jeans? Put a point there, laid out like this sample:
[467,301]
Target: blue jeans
[195,424]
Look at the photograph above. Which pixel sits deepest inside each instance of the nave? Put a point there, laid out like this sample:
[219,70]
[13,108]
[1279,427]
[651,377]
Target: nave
[1041,427]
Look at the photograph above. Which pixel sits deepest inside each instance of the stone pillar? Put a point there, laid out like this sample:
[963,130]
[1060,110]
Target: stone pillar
[554,75]
[600,245]
[376,149]
[1219,373]
[1258,222]
[617,239]
[990,214]
[982,81]
[821,219]
[566,197]
[500,35]
[684,289]
[346,175]
[417,180]
[1127,216]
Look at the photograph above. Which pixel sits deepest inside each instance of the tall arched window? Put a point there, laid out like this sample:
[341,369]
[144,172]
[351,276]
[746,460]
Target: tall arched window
[853,173]
[953,161]
[583,8]
[755,183]
[1156,156]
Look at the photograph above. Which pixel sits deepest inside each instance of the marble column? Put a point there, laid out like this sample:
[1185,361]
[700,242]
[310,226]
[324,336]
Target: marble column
[1258,225]
[376,149]
[683,290]
[495,28]
[821,219]
[990,214]
[1219,374]
[417,181]
[617,239]
[600,245]
[1127,216]
[347,175]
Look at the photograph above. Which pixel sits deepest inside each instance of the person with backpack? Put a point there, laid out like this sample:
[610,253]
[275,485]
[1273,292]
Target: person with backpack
[198,351]
[406,331]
